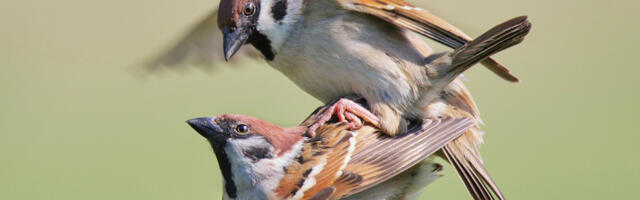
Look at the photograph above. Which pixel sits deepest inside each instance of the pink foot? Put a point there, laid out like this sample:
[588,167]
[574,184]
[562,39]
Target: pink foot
[348,112]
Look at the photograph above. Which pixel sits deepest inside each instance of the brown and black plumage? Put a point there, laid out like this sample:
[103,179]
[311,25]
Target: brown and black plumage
[337,163]
[380,60]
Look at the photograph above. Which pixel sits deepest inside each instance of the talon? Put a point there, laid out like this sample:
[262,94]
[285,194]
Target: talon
[340,111]
[353,121]
[348,112]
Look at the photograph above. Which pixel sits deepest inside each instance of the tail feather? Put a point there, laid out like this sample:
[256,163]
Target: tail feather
[473,174]
[447,67]
[498,38]
[470,179]
[463,153]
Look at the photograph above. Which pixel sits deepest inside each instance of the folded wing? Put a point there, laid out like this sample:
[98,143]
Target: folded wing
[342,162]
[408,16]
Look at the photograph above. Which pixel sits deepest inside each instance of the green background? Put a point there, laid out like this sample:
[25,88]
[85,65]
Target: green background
[76,123]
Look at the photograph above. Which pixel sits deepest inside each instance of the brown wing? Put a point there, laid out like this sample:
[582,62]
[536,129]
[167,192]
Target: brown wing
[323,157]
[421,21]
[463,153]
[378,158]
[346,162]
[202,46]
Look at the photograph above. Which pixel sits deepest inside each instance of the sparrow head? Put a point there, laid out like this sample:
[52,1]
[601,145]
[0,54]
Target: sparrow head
[263,23]
[237,19]
[251,153]
[230,128]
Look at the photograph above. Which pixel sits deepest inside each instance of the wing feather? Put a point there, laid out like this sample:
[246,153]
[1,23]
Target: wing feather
[381,157]
[353,161]
[405,15]
[406,150]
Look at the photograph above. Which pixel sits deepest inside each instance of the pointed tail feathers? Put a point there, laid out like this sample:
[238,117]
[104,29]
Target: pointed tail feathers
[468,162]
[498,38]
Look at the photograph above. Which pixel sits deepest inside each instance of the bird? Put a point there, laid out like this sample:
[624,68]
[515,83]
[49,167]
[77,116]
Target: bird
[333,48]
[261,160]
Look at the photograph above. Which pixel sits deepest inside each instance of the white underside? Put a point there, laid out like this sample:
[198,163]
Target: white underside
[325,56]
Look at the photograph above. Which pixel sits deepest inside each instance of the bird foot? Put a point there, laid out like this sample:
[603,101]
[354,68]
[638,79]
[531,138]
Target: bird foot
[348,112]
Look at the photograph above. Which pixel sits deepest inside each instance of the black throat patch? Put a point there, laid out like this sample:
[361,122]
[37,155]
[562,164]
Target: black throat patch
[225,169]
[263,44]
[279,10]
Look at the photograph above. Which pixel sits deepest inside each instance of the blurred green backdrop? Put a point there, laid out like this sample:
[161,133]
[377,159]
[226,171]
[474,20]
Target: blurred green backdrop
[75,123]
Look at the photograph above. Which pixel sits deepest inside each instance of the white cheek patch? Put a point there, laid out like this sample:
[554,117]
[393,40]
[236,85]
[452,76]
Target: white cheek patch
[240,145]
[254,178]
[243,169]
[278,31]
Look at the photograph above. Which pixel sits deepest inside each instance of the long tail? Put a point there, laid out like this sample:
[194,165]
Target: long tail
[498,38]
[472,172]
[447,67]
[463,153]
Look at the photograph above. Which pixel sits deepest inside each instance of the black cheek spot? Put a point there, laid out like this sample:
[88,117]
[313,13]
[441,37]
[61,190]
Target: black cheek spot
[279,10]
[257,153]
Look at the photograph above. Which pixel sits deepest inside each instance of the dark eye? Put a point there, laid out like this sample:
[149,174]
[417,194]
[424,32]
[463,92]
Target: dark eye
[242,129]
[249,9]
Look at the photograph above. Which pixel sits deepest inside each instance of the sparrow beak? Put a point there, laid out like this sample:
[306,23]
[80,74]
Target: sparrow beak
[207,127]
[233,40]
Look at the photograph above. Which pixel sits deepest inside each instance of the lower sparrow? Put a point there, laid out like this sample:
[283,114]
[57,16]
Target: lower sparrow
[260,160]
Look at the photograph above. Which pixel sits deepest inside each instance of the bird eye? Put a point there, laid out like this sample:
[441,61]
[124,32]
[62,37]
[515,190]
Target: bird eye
[242,128]
[249,9]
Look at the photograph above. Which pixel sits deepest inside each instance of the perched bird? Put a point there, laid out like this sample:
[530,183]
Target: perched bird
[331,48]
[260,160]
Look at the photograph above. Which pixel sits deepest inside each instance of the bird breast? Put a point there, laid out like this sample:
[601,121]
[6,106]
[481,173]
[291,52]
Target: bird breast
[335,53]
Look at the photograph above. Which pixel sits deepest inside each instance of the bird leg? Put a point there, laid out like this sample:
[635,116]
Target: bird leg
[348,112]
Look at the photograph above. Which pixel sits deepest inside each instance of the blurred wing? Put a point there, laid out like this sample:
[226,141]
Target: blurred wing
[405,15]
[202,46]
[343,162]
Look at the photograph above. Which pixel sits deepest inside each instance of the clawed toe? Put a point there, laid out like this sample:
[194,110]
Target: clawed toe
[348,112]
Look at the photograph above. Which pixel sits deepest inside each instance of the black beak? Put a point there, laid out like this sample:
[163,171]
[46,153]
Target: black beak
[233,40]
[206,127]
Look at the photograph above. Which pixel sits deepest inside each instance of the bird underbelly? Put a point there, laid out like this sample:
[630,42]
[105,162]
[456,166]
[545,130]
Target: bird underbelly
[351,54]
[331,78]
